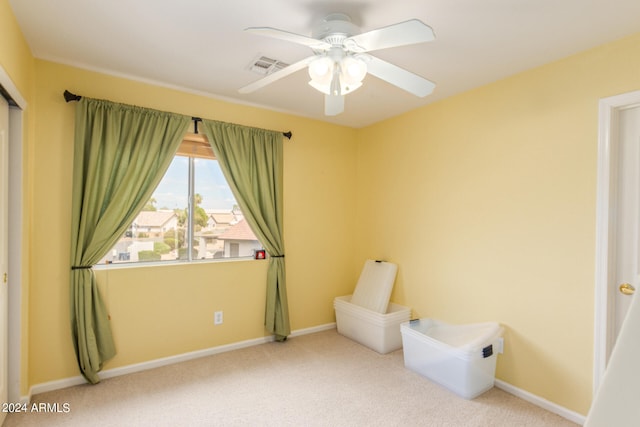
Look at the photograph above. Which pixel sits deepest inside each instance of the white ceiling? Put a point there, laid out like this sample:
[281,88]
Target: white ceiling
[200,45]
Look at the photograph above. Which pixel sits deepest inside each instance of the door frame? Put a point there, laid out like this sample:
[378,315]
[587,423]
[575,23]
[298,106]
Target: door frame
[16,211]
[604,317]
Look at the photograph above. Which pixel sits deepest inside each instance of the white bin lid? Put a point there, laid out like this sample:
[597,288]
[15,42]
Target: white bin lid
[374,286]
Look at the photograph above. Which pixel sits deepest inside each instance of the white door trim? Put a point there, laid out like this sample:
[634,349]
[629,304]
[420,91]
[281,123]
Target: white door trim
[11,89]
[604,322]
[15,236]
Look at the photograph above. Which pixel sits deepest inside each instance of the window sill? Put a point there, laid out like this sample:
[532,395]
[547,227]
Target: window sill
[147,264]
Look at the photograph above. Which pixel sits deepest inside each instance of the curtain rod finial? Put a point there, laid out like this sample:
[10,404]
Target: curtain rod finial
[68,96]
[288,134]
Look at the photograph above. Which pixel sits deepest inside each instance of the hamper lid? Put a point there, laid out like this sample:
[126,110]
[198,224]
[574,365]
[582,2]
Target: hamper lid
[374,286]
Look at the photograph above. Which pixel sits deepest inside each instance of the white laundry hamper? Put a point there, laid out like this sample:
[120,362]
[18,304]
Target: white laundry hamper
[367,316]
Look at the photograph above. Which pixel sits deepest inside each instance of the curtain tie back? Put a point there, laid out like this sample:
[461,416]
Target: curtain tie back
[81,267]
[277,256]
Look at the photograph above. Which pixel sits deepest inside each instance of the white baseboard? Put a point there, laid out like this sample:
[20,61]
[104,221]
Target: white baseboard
[313,329]
[138,367]
[541,402]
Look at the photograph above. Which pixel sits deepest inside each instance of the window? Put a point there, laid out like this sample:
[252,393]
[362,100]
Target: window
[169,228]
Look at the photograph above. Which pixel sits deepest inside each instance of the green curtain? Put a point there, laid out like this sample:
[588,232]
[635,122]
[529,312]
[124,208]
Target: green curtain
[121,153]
[251,160]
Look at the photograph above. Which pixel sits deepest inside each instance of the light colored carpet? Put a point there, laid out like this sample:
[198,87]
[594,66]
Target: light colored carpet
[321,379]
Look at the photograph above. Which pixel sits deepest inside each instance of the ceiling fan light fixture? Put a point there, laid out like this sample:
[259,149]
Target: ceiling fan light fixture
[337,77]
[321,70]
[353,70]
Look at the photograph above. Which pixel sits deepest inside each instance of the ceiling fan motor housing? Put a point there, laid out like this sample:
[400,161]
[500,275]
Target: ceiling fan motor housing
[335,28]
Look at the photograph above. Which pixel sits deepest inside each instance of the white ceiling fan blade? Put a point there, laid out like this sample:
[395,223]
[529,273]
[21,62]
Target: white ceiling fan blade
[412,83]
[258,84]
[401,34]
[291,37]
[333,105]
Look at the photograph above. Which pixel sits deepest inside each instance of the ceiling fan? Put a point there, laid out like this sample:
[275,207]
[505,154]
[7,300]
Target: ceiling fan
[340,60]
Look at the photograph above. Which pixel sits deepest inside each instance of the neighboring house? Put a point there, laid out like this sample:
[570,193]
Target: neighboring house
[239,240]
[220,221]
[154,222]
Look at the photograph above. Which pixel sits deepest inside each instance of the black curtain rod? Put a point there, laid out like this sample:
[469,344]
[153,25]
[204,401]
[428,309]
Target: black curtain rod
[68,96]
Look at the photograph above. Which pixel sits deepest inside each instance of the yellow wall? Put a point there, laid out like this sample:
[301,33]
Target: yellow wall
[15,55]
[486,201]
[16,60]
[164,311]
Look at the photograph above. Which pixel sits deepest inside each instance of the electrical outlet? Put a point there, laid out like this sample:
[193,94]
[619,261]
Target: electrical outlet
[500,345]
[217,318]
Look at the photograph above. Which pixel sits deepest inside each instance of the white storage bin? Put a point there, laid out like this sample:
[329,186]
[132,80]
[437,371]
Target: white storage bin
[461,358]
[379,332]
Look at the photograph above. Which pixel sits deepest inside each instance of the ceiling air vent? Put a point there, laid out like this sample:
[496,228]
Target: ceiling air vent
[263,65]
